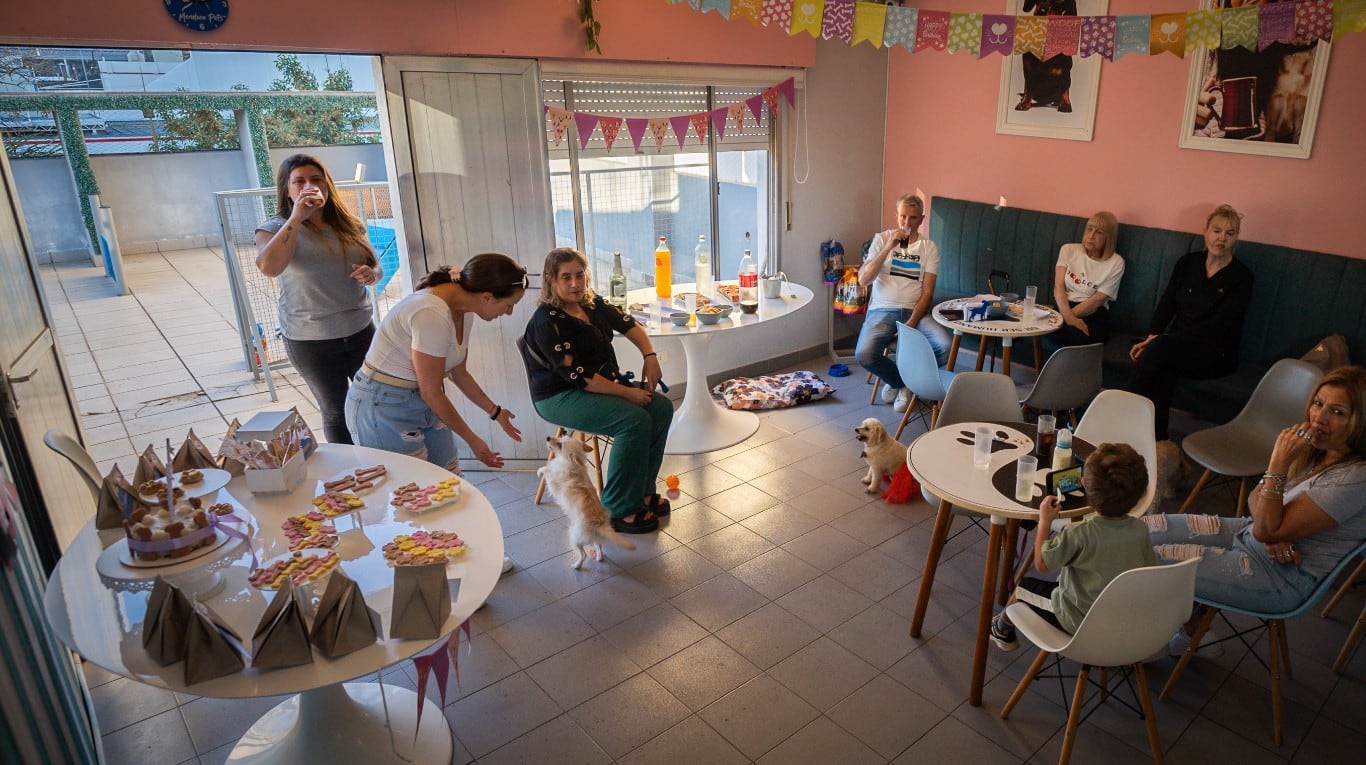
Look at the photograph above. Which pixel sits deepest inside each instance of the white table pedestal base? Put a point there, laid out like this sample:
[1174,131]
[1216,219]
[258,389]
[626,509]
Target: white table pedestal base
[700,424]
[345,723]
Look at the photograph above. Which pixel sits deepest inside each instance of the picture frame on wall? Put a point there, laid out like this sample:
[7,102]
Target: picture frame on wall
[1255,102]
[1055,98]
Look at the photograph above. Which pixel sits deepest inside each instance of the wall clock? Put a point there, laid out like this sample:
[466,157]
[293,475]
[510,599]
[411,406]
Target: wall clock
[198,15]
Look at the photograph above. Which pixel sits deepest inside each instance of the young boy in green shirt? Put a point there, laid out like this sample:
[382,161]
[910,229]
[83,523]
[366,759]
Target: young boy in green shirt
[1088,554]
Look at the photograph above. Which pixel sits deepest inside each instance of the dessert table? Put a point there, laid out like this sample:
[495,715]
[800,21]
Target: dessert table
[1007,329]
[942,461]
[329,720]
[700,424]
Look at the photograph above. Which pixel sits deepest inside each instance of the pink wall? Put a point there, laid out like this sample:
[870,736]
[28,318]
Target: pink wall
[643,30]
[1133,166]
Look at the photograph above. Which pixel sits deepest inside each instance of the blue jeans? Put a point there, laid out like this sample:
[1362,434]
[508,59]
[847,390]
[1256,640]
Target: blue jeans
[1234,567]
[879,331]
[396,419]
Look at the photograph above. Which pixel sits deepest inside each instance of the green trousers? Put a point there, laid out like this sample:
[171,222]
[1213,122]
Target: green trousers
[638,436]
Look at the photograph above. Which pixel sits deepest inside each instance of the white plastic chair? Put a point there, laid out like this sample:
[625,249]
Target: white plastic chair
[1242,446]
[78,457]
[1119,417]
[1068,381]
[921,373]
[975,397]
[1111,636]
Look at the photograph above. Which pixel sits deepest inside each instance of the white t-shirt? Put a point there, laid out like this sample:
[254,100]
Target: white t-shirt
[419,322]
[898,284]
[1084,277]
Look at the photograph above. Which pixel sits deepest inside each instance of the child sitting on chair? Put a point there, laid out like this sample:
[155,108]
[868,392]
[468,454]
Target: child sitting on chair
[1088,554]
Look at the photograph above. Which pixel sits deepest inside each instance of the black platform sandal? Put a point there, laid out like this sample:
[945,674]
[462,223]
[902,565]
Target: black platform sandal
[658,505]
[641,525]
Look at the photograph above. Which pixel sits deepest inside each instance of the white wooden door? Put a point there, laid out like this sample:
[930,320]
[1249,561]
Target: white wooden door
[34,395]
[471,167]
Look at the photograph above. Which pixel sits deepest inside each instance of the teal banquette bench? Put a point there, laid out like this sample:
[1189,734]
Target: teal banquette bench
[1299,296]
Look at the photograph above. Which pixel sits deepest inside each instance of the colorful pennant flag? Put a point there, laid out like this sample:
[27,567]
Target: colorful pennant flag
[720,6]
[559,122]
[1239,28]
[900,27]
[1202,30]
[680,125]
[837,21]
[746,9]
[737,115]
[776,13]
[1275,23]
[1348,16]
[636,127]
[585,124]
[998,34]
[659,128]
[610,127]
[932,30]
[806,17]
[699,126]
[869,21]
[1064,36]
[1168,34]
[1031,33]
[1313,21]
[788,88]
[1131,35]
[1098,36]
[965,33]
[770,97]
[718,122]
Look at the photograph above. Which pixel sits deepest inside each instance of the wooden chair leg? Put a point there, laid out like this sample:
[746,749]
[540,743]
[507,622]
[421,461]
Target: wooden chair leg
[1200,629]
[1241,509]
[1199,487]
[1350,645]
[1004,586]
[1104,683]
[1024,684]
[1038,353]
[599,445]
[1149,719]
[1274,634]
[982,353]
[1286,669]
[1347,584]
[906,416]
[877,385]
[934,415]
[1074,716]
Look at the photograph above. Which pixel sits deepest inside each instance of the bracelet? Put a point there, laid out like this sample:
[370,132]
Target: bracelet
[648,355]
[497,410]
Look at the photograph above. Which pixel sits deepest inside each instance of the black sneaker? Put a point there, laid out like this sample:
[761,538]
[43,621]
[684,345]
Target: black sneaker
[1003,633]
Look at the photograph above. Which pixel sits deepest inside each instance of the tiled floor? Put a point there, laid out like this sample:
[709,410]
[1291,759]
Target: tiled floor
[767,622]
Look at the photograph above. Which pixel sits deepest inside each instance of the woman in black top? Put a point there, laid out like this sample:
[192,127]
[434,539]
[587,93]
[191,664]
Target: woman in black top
[1198,323]
[576,383]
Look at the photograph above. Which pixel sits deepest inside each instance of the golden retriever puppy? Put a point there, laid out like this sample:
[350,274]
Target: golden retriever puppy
[566,476]
[882,453]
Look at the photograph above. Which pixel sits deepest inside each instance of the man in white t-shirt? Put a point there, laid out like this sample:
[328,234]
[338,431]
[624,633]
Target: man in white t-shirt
[901,266]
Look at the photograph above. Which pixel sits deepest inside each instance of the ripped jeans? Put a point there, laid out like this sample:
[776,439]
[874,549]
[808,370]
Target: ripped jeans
[395,419]
[1234,567]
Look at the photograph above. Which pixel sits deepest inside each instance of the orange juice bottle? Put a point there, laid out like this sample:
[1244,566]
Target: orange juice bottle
[663,270]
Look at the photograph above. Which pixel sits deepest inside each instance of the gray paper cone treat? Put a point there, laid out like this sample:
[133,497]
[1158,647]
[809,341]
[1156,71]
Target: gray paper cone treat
[168,618]
[230,464]
[281,638]
[193,454]
[344,623]
[212,649]
[150,467]
[117,500]
[422,602]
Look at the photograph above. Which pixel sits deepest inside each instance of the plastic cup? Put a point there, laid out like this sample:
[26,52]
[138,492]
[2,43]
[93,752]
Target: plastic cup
[1024,477]
[1031,292]
[981,448]
[1048,436]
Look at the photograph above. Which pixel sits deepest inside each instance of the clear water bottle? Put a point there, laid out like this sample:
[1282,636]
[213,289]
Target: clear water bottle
[616,294]
[749,282]
[702,267]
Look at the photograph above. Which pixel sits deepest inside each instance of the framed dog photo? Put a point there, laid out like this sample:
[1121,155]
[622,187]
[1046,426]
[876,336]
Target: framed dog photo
[1053,98]
[1254,102]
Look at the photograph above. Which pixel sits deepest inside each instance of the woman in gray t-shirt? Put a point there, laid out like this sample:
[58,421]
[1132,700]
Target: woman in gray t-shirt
[320,255]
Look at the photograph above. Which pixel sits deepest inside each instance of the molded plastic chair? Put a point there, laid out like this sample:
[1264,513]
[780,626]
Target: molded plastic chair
[1349,645]
[1068,381]
[1274,623]
[1119,417]
[920,371]
[1242,446]
[877,382]
[979,397]
[80,459]
[1110,636]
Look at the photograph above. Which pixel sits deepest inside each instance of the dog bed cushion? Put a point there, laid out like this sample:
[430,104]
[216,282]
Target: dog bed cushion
[772,391]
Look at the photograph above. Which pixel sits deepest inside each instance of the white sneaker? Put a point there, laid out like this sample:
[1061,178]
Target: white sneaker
[1181,641]
[903,400]
[507,564]
[888,394]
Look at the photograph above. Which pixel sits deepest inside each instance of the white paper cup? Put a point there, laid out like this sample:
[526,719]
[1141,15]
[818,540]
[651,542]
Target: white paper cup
[1025,468]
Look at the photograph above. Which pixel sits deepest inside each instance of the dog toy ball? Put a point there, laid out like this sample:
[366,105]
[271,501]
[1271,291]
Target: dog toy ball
[671,482]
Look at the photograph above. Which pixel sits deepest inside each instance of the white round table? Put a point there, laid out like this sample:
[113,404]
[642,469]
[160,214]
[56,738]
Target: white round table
[329,720]
[1007,329]
[701,424]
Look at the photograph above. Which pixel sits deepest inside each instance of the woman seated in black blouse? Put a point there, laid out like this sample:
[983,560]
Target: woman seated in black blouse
[576,383]
[1198,323]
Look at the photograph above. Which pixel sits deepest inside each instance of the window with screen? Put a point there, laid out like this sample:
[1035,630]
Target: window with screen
[624,200]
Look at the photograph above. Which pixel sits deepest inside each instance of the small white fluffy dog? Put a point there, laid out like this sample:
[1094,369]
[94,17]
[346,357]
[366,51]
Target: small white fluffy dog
[882,453]
[566,476]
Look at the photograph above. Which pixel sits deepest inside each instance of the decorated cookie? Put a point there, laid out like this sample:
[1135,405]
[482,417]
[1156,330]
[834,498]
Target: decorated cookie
[309,531]
[191,477]
[335,503]
[300,566]
[423,547]
[417,499]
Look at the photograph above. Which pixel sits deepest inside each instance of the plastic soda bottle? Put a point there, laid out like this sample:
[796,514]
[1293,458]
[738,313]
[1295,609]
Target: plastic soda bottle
[702,267]
[749,282]
[663,270]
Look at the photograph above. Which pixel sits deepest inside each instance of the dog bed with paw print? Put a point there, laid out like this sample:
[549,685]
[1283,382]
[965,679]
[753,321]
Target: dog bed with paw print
[772,391]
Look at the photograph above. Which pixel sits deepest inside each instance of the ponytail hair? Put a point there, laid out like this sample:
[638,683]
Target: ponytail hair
[490,272]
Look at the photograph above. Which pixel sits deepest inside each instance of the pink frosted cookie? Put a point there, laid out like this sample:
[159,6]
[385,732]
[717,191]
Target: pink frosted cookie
[335,503]
[310,530]
[418,499]
[423,547]
[299,566]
